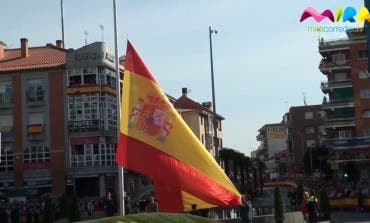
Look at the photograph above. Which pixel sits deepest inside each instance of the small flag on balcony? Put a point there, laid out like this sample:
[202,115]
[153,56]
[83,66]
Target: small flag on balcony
[34,129]
[155,141]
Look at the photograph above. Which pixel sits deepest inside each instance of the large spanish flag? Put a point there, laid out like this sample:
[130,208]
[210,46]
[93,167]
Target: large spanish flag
[155,141]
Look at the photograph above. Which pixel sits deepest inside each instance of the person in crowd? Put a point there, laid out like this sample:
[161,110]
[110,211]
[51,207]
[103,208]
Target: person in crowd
[14,214]
[312,208]
[194,209]
[109,205]
[360,200]
[3,214]
[28,212]
[90,208]
[152,205]
[245,210]
[304,206]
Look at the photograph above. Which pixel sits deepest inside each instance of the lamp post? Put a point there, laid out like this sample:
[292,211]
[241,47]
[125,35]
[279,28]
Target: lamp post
[214,119]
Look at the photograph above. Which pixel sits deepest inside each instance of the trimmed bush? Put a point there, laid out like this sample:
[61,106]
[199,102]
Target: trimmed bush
[325,205]
[279,205]
[74,212]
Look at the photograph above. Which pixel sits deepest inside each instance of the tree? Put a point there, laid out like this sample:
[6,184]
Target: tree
[259,167]
[48,211]
[279,205]
[63,205]
[225,155]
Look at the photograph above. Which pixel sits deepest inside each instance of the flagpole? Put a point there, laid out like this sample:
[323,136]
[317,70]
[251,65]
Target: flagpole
[121,178]
[214,118]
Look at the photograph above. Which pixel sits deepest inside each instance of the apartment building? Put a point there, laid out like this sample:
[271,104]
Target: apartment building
[347,100]
[34,144]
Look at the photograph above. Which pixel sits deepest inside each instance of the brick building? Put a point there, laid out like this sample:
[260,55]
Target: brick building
[347,104]
[31,117]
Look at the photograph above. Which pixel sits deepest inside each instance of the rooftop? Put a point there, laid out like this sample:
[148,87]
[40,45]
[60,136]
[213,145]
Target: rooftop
[31,58]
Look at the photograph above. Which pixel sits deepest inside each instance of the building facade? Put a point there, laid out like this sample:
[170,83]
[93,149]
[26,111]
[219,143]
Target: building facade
[199,118]
[92,120]
[273,138]
[32,92]
[347,101]
[304,133]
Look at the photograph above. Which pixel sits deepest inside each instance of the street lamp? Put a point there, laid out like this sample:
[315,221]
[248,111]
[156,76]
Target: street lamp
[214,119]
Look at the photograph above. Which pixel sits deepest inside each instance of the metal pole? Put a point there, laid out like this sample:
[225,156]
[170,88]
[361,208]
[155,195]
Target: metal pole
[62,18]
[215,123]
[311,159]
[121,183]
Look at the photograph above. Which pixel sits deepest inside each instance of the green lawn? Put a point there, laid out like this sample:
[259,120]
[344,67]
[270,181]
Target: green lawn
[153,218]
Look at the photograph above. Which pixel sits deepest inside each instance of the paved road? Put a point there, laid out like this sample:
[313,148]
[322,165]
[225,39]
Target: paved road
[350,216]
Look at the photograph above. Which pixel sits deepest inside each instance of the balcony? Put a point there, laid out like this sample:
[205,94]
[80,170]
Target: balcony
[338,103]
[35,98]
[339,122]
[350,143]
[328,66]
[327,86]
[6,99]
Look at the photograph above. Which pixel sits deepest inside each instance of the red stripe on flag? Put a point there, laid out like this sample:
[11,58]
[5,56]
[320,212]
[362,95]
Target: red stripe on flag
[169,198]
[146,159]
[135,64]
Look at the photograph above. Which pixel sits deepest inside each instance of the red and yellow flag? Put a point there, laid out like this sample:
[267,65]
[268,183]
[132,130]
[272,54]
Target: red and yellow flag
[155,141]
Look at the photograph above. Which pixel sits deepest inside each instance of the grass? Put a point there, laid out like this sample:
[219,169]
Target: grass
[153,218]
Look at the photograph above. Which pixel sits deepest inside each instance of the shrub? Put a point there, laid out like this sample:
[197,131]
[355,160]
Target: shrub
[279,205]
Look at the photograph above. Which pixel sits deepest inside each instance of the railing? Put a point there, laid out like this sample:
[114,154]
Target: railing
[93,160]
[338,103]
[326,85]
[35,97]
[327,64]
[6,99]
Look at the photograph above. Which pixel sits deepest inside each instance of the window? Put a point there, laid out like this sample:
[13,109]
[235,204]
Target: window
[83,107]
[322,131]
[310,143]
[89,75]
[35,90]
[340,76]
[321,114]
[6,158]
[366,113]
[363,74]
[366,132]
[343,134]
[362,54]
[308,115]
[365,93]
[36,154]
[339,58]
[6,93]
[93,155]
[309,130]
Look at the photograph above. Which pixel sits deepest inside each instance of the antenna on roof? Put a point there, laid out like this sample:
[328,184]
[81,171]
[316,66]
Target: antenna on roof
[102,32]
[304,98]
[86,34]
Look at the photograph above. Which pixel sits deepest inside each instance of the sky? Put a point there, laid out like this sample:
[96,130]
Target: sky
[264,58]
